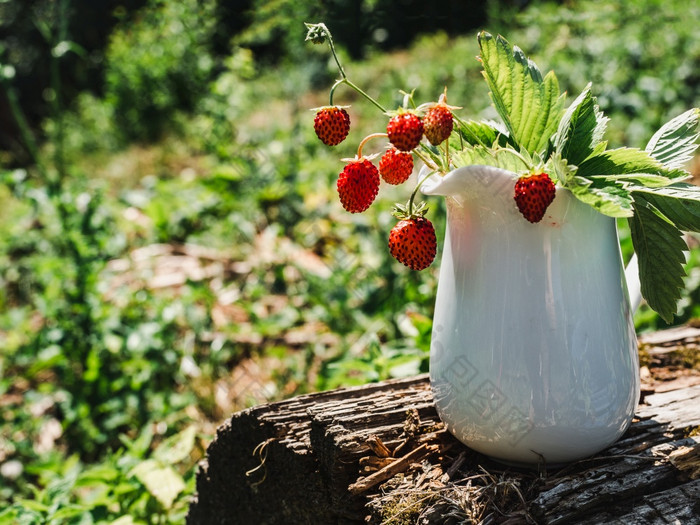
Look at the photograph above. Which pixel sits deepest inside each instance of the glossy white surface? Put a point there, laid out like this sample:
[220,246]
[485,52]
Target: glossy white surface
[533,354]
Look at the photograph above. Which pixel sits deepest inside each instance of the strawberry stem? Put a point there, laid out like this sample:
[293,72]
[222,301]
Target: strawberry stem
[527,162]
[337,83]
[361,92]
[344,78]
[367,139]
[415,190]
[463,124]
[426,160]
[408,99]
[446,144]
[332,46]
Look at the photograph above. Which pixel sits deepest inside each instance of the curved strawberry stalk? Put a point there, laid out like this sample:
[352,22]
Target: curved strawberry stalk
[318,34]
[366,140]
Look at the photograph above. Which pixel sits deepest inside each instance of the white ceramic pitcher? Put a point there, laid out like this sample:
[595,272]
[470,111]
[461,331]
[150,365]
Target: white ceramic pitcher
[534,352]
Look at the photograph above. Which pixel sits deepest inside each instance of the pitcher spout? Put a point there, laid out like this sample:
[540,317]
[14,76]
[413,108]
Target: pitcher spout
[477,182]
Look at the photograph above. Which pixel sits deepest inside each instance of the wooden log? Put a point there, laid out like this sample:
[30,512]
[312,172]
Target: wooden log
[310,452]
[379,453]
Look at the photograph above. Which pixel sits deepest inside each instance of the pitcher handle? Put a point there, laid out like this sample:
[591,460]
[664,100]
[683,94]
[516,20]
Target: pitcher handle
[634,286]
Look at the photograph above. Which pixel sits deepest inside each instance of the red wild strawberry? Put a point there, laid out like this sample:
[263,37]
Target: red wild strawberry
[533,194]
[358,185]
[437,123]
[405,130]
[396,166]
[332,125]
[412,242]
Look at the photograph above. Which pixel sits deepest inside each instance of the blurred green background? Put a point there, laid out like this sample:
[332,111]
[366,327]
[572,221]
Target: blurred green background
[173,249]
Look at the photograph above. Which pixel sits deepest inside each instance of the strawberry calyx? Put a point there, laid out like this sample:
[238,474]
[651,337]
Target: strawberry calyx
[401,110]
[409,210]
[442,102]
[360,158]
[317,33]
[425,107]
[325,108]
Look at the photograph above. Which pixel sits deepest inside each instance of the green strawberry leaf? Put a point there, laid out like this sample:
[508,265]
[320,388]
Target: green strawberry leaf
[581,128]
[608,198]
[676,141]
[679,202]
[659,246]
[646,179]
[503,158]
[560,170]
[481,133]
[625,161]
[530,106]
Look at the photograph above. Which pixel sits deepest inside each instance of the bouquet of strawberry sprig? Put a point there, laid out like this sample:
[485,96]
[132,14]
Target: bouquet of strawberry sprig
[545,145]
[412,240]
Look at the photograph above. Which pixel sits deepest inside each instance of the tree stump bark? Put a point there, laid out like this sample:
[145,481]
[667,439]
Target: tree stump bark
[379,454]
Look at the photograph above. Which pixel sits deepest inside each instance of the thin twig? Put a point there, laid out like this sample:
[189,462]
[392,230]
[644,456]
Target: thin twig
[261,451]
[392,469]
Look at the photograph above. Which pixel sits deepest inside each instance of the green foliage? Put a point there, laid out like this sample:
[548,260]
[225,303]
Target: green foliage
[179,208]
[276,28]
[621,162]
[661,247]
[581,129]
[643,72]
[530,106]
[610,199]
[158,64]
[379,361]
[140,483]
[90,129]
[642,59]
[658,240]
[116,364]
[675,143]
[501,158]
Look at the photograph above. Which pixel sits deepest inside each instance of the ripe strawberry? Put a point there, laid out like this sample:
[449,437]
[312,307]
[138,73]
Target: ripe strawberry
[437,123]
[332,125]
[405,130]
[533,194]
[396,166]
[412,242]
[358,185]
